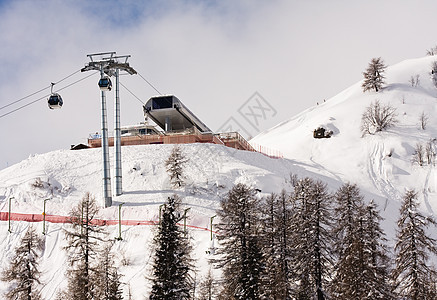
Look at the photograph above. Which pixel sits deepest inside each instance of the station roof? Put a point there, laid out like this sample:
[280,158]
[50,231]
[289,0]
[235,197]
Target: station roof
[159,108]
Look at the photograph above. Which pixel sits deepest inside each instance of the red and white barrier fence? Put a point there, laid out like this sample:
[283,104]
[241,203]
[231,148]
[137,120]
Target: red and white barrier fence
[4,216]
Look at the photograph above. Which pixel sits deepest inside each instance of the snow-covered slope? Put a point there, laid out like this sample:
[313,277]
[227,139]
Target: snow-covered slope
[380,164]
[211,171]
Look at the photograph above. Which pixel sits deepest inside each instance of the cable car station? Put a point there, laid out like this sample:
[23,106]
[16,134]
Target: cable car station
[169,121]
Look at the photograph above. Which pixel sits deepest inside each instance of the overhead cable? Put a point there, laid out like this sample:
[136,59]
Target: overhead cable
[44,97]
[131,93]
[39,91]
[21,99]
[149,83]
[65,78]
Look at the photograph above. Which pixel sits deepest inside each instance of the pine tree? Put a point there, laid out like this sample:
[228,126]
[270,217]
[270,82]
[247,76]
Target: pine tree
[302,288]
[376,271]
[208,287]
[276,235]
[106,279]
[320,244]
[23,271]
[373,76]
[361,249]
[414,277]
[82,249]
[312,238]
[348,244]
[175,166]
[242,261]
[284,229]
[172,262]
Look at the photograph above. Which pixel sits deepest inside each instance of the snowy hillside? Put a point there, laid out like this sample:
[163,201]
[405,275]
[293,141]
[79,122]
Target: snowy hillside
[380,164]
[211,172]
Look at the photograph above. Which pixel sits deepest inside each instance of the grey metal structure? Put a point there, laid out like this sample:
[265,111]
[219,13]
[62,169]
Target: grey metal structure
[117,137]
[109,64]
[169,113]
[105,150]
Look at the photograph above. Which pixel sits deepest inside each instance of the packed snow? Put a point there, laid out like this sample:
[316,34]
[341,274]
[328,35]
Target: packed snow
[380,164]
[65,176]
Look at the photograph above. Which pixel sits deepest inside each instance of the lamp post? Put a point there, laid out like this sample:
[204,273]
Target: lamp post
[212,218]
[160,209]
[185,219]
[81,220]
[119,222]
[9,215]
[44,217]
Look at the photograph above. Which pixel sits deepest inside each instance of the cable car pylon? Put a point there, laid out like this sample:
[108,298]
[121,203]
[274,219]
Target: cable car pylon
[109,65]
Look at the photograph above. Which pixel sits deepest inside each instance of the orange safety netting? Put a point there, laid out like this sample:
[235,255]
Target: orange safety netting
[4,216]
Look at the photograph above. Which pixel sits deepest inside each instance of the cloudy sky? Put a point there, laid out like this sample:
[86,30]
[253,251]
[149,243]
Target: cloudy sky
[213,55]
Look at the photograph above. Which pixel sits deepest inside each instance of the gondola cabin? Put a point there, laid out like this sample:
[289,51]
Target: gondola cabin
[105,84]
[55,101]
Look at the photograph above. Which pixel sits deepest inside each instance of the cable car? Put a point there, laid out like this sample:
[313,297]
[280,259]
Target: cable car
[55,101]
[105,84]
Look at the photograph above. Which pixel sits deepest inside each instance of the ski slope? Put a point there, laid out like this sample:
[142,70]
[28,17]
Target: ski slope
[381,165]
[65,176]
